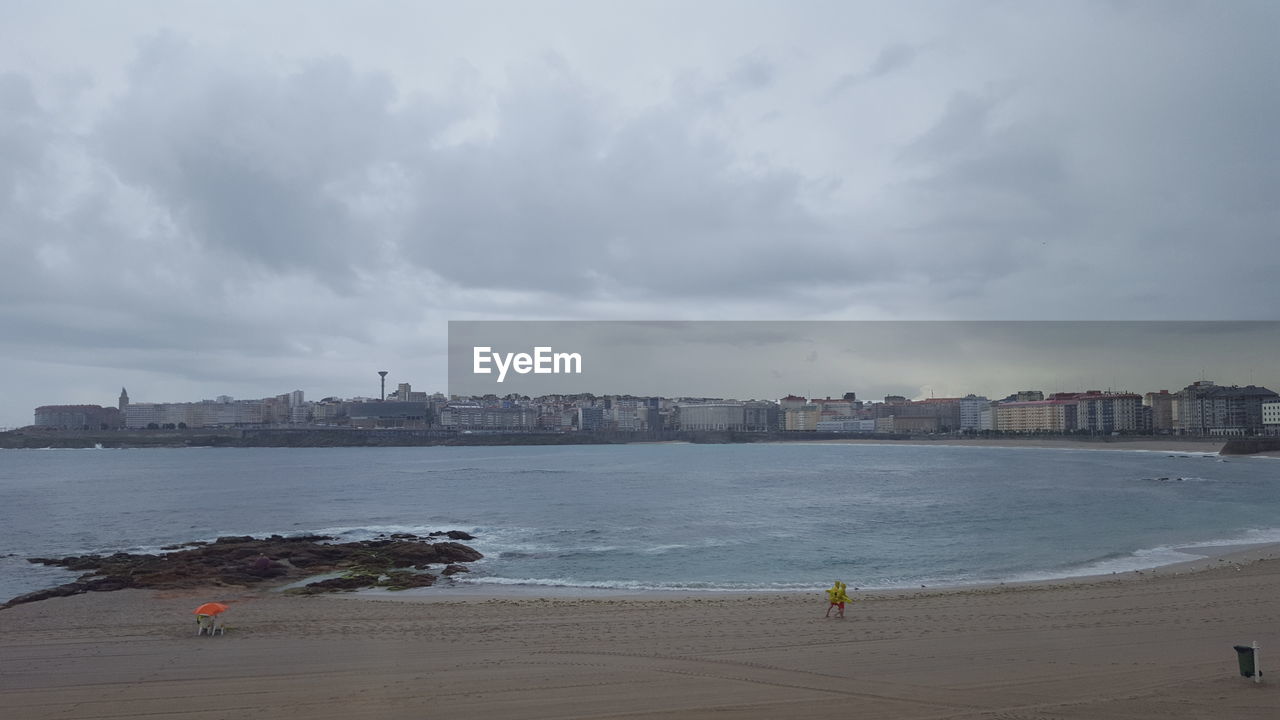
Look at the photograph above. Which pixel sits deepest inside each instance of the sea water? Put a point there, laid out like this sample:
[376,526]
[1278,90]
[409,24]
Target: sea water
[789,516]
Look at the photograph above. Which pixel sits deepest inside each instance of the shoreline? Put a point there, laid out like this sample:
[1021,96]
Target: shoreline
[32,439]
[463,588]
[459,589]
[1172,446]
[1207,557]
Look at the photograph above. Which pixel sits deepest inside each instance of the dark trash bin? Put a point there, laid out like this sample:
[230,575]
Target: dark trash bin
[1244,654]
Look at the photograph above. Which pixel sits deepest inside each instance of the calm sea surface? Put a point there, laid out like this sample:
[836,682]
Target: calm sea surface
[681,517]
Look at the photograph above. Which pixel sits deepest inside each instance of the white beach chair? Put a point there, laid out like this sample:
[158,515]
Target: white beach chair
[211,624]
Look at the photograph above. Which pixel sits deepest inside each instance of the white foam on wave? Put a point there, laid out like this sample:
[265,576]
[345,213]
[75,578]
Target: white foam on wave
[569,583]
[1139,560]
[1253,536]
[370,532]
[1179,453]
[663,549]
[1148,558]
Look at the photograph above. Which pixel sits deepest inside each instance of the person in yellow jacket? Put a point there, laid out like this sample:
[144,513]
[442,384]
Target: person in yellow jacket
[837,595]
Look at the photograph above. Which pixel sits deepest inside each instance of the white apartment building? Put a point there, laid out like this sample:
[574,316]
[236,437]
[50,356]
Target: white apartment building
[1271,417]
[206,413]
[971,407]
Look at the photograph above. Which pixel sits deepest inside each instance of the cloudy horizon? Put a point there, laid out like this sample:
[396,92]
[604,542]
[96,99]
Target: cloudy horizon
[243,199]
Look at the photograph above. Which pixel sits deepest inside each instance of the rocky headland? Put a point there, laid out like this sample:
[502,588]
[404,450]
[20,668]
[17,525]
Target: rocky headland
[396,562]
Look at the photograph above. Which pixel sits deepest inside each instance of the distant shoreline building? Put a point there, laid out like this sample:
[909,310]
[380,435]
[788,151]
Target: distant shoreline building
[77,417]
[730,416]
[1201,408]
[1208,409]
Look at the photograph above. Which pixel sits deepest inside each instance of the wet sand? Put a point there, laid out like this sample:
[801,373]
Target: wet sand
[1156,644]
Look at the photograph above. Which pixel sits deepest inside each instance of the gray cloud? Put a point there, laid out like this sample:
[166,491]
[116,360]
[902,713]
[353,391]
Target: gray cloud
[189,201]
[258,165]
[890,59]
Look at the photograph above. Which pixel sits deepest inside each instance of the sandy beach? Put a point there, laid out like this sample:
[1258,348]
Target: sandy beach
[1156,644]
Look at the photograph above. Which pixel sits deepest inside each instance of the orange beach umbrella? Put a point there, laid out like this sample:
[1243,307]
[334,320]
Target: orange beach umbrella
[210,609]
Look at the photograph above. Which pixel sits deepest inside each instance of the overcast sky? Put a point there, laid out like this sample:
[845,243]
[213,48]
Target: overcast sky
[873,358]
[247,198]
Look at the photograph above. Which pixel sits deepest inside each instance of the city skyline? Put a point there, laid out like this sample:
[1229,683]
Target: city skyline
[1201,408]
[292,408]
[216,198]
[916,360]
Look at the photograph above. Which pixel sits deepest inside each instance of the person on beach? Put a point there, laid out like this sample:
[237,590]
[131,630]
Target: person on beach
[837,595]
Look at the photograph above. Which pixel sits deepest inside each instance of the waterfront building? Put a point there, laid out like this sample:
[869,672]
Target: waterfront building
[471,416]
[834,406]
[1144,420]
[931,415]
[916,424]
[329,411]
[458,415]
[77,417]
[223,412]
[803,418]
[847,425]
[1097,411]
[144,415]
[787,404]
[1208,409]
[731,416]
[389,414]
[590,418]
[404,393]
[1271,416]
[1163,415]
[300,414]
[627,415]
[792,402]
[1035,416]
[760,416]
[971,407]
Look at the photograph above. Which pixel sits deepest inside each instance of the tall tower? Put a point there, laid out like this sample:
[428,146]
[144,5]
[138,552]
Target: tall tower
[383,375]
[124,399]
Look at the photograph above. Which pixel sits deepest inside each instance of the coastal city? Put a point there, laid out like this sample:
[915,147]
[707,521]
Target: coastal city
[1202,408]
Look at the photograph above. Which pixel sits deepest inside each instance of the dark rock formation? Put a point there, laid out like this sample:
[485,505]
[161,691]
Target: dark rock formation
[452,535]
[347,582]
[245,560]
